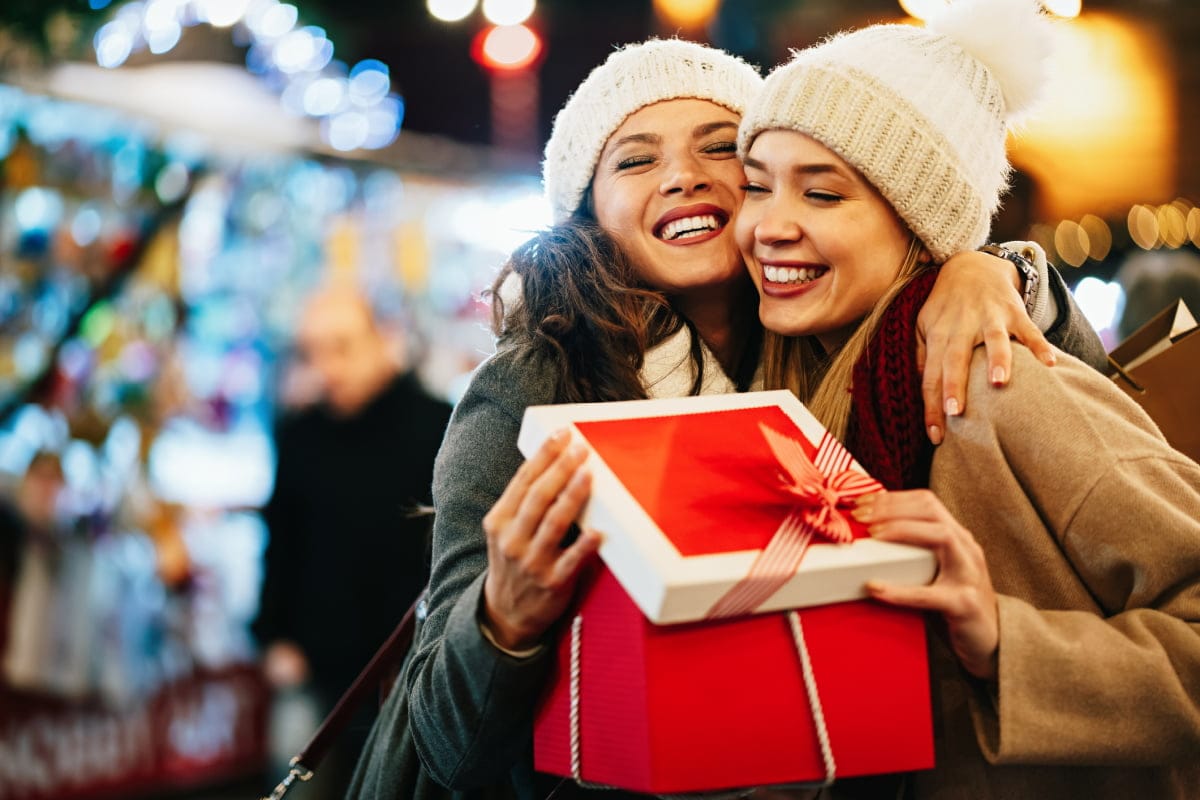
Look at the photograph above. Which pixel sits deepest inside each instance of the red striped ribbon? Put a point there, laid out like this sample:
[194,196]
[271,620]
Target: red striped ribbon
[822,488]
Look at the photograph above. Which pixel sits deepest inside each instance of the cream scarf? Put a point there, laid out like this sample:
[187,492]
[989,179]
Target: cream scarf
[668,371]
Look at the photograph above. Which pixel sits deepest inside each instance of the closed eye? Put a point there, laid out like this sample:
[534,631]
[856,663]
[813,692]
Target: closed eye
[824,197]
[754,188]
[634,161]
[721,148]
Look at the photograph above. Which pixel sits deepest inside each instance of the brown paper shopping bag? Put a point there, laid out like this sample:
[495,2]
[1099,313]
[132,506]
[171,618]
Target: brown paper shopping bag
[1159,367]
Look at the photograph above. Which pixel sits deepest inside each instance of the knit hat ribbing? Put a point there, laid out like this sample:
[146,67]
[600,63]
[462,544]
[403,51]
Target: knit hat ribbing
[635,76]
[922,113]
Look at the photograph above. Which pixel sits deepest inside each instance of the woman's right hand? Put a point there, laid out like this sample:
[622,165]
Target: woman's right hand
[962,591]
[531,576]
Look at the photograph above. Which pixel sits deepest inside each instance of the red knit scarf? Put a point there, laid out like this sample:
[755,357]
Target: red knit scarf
[887,423]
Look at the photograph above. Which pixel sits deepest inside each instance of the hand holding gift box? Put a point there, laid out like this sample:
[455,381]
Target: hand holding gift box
[715,507]
[693,494]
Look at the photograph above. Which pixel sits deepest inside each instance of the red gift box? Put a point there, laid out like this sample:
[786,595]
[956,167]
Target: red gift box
[725,505]
[726,704]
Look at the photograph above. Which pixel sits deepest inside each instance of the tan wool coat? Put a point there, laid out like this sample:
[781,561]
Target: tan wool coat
[1090,524]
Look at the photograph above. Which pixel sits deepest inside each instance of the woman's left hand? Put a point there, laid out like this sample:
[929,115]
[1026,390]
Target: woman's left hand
[962,591]
[973,301]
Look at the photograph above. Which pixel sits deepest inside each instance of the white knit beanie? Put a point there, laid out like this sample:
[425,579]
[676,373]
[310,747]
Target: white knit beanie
[637,75]
[922,113]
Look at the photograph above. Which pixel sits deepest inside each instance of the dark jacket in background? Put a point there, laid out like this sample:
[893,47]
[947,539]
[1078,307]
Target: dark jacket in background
[346,557]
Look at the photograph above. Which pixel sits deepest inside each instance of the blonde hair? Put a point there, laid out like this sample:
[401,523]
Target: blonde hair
[822,380]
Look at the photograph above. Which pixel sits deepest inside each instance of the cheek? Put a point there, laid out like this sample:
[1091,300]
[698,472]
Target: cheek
[732,175]
[743,227]
[603,202]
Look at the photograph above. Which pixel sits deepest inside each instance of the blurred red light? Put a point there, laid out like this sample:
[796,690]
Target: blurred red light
[507,47]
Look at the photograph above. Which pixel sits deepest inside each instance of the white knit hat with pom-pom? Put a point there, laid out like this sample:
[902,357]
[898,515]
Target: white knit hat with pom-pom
[922,113]
[635,76]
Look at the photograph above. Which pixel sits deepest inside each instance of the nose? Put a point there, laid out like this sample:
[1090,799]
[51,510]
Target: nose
[685,175]
[776,224]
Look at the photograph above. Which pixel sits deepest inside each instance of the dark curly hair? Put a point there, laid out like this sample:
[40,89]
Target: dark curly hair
[585,306]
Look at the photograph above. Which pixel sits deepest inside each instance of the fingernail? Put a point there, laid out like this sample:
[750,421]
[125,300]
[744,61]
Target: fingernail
[935,434]
[873,587]
[559,435]
[862,513]
[1051,359]
[999,376]
[952,406]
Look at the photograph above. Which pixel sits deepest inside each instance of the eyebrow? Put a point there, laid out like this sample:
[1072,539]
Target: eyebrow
[699,131]
[800,169]
[713,127]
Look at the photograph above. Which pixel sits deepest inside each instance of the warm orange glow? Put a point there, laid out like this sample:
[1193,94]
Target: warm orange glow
[1143,227]
[1099,236]
[1106,136]
[1043,234]
[1172,225]
[1072,242]
[1193,226]
[686,13]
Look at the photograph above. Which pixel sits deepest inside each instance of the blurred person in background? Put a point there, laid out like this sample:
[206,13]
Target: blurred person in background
[348,546]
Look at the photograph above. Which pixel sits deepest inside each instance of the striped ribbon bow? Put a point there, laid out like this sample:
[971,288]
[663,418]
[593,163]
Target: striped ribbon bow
[822,489]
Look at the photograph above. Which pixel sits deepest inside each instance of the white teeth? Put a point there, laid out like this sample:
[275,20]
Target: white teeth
[687,227]
[791,274]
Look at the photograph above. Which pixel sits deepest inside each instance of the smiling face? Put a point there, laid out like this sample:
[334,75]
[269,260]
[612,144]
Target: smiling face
[821,244]
[667,187]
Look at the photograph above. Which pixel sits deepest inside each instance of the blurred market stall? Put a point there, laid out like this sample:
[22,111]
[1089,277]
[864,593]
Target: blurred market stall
[159,226]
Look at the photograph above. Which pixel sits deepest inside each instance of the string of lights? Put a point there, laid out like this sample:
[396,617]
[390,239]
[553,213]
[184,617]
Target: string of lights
[354,104]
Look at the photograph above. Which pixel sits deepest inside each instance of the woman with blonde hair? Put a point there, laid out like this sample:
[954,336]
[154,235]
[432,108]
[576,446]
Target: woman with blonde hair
[1066,529]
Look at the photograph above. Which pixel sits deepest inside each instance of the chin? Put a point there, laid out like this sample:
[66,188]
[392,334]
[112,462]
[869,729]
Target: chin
[783,323]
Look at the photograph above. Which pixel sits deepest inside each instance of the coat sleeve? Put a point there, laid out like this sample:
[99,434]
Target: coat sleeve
[1114,679]
[1070,331]
[472,705]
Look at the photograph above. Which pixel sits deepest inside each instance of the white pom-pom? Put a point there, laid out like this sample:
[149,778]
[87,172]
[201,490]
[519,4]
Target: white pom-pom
[1012,38]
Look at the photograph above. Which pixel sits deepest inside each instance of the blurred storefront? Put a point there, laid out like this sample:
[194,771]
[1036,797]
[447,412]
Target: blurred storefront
[153,258]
